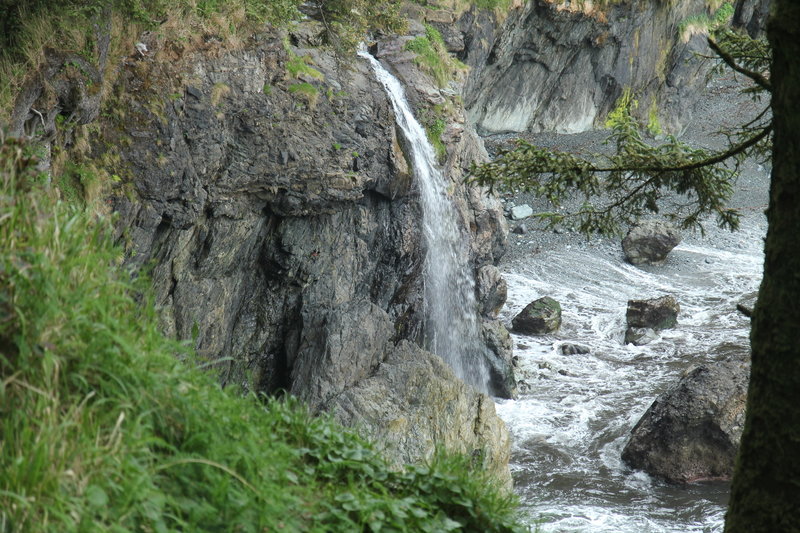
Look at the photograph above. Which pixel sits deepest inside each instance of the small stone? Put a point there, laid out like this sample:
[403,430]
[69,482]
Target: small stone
[518,212]
[194,92]
[640,336]
[573,349]
[522,229]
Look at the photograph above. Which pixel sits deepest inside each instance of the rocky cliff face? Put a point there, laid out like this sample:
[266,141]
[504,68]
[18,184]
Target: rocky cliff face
[556,65]
[268,188]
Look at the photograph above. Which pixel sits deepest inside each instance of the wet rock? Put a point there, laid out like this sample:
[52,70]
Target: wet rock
[500,355]
[649,242]
[539,317]
[655,313]
[518,212]
[414,404]
[573,349]
[491,289]
[692,431]
[747,304]
[640,336]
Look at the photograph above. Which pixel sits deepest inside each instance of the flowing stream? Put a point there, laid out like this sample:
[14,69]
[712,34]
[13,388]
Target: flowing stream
[574,414]
[569,429]
[452,328]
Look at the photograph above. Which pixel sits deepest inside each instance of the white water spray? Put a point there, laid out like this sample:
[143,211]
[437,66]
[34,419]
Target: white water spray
[452,327]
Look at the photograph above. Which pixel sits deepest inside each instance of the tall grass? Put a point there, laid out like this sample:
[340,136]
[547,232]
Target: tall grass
[105,427]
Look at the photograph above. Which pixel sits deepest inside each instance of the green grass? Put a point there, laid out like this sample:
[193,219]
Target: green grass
[721,17]
[298,66]
[433,57]
[107,426]
[306,91]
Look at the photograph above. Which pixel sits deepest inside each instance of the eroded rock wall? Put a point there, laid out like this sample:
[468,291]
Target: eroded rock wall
[281,220]
[556,65]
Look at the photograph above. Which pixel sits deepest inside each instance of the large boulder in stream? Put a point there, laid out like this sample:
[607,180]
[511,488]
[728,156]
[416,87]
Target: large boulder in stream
[539,317]
[692,431]
[649,242]
[646,317]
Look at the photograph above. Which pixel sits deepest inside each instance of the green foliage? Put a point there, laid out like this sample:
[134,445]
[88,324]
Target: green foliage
[653,124]
[105,427]
[346,22]
[619,189]
[308,92]
[492,4]
[434,130]
[639,178]
[620,115]
[300,66]
[720,18]
[432,55]
[74,182]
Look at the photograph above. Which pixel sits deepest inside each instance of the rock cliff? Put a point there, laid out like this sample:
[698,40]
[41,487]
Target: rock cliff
[556,65]
[268,188]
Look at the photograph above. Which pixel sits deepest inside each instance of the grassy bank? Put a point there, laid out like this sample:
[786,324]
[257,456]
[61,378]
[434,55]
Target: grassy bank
[107,426]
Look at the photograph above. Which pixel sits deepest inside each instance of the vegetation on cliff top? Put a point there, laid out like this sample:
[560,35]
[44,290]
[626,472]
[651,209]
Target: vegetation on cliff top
[106,425]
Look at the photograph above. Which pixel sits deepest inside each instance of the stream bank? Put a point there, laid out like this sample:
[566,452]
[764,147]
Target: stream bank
[574,412]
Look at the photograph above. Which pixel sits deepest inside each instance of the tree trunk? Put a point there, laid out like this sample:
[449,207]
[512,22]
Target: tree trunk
[765,495]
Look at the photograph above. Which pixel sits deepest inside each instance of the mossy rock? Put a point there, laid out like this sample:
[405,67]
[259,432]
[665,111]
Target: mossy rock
[539,317]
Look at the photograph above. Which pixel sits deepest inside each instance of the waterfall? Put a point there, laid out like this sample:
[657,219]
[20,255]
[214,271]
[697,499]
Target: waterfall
[452,328]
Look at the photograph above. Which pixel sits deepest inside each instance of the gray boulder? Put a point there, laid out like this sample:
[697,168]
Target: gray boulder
[655,313]
[649,242]
[518,212]
[539,317]
[491,289]
[692,431]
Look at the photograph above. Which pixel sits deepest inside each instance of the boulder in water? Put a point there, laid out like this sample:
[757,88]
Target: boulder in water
[491,290]
[640,336]
[539,317]
[649,242]
[573,349]
[655,313]
[692,431]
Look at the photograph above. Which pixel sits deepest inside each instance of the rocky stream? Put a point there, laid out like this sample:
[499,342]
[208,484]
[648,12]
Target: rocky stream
[575,412]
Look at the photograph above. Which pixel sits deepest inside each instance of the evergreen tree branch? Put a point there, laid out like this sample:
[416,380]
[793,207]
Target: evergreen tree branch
[729,60]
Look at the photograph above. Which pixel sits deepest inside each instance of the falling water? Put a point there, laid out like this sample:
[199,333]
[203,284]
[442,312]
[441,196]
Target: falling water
[452,324]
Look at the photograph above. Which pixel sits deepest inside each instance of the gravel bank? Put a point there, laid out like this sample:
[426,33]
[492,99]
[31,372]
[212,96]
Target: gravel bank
[721,106]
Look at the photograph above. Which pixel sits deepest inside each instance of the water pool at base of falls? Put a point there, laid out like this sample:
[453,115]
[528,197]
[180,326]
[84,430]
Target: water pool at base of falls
[569,429]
